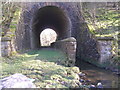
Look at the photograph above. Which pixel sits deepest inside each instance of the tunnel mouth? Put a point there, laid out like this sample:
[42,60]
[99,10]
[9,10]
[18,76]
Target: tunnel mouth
[50,17]
[47,37]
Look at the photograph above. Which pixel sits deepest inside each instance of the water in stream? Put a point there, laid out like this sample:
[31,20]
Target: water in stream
[96,75]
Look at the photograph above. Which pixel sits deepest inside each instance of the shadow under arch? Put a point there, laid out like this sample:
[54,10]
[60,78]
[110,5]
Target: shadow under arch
[49,17]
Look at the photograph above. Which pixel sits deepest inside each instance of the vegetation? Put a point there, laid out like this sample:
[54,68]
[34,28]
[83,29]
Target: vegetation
[49,68]
[10,16]
[103,21]
[44,66]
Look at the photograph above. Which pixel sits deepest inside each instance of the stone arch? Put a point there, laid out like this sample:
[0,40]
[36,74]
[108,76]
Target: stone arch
[49,17]
[24,30]
[86,43]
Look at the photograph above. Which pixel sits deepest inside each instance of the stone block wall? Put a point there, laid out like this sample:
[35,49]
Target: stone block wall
[71,19]
[118,44]
[5,46]
[27,36]
[68,46]
[105,46]
[119,41]
[26,32]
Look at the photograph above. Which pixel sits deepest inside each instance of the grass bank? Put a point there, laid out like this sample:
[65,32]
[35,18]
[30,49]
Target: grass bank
[46,66]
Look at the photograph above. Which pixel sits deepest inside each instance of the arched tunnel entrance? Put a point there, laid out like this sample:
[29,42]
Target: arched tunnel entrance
[47,37]
[49,17]
[65,19]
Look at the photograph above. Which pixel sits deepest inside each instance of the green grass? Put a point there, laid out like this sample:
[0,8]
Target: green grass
[105,21]
[46,66]
[49,55]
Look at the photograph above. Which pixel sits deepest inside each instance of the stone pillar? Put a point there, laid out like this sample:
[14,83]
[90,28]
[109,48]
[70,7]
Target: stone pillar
[5,46]
[105,49]
[68,46]
[119,41]
[0,47]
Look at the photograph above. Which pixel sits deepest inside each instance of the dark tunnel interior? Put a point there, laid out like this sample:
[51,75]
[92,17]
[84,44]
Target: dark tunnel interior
[50,17]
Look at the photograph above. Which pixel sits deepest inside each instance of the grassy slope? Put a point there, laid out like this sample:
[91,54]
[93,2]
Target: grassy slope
[42,66]
[106,24]
[103,21]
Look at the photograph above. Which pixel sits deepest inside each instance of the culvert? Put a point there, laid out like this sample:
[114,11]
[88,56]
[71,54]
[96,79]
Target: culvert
[63,17]
[50,17]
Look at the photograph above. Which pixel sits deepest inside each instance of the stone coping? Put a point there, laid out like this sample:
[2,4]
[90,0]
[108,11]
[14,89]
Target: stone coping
[71,39]
[105,38]
[5,39]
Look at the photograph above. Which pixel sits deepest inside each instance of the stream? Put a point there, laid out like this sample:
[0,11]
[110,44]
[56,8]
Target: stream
[95,75]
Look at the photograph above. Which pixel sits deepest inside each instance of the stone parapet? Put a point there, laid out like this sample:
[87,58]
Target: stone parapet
[68,46]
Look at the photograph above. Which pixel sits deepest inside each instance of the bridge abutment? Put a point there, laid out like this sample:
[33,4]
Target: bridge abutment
[68,46]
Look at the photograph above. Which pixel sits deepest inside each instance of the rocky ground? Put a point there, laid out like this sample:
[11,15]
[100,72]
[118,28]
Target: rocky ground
[42,69]
[21,81]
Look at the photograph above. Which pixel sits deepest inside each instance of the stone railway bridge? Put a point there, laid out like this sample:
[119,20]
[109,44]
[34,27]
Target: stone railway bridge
[65,18]
[67,21]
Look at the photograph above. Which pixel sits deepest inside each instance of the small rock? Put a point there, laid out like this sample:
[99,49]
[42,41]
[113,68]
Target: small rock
[1,86]
[16,81]
[81,74]
[75,69]
[118,73]
[81,80]
[76,76]
[88,81]
[115,70]
[99,85]
[84,85]
[92,86]
[63,82]
[106,68]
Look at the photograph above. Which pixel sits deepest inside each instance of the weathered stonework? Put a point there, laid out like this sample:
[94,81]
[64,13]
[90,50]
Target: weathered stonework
[68,46]
[105,46]
[5,46]
[63,17]
[66,19]
[119,41]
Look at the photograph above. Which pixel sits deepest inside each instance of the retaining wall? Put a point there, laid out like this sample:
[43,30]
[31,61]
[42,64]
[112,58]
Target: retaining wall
[68,46]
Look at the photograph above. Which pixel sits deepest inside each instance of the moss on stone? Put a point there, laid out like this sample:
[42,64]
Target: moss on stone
[75,69]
